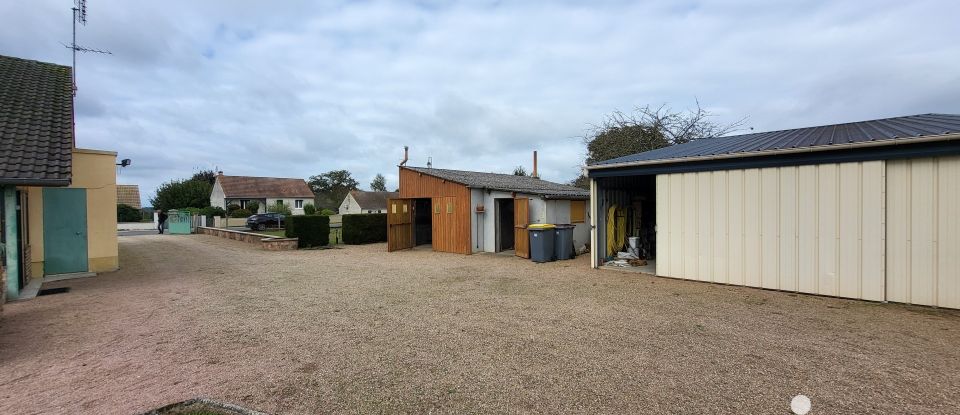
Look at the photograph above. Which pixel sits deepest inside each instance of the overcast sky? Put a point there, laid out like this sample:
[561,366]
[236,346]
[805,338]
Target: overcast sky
[293,89]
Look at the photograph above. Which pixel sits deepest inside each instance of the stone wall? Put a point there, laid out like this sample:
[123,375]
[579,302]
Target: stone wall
[266,242]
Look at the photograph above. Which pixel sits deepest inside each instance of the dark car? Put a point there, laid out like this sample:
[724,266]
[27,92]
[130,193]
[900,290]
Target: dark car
[263,221]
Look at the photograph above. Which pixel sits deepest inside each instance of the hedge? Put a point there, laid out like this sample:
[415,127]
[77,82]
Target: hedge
[127,213]
[312,230]
[359,228]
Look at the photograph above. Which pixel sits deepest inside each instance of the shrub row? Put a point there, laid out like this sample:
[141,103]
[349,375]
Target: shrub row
[127,213]
[364,228]
[312,230]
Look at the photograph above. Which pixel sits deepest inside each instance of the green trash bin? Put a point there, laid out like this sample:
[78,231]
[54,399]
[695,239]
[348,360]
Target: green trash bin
[541,242]
[563,242]
[179,222]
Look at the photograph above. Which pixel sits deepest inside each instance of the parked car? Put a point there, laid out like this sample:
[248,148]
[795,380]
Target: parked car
[263,221]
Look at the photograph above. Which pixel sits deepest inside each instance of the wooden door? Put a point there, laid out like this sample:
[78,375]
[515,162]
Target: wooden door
[521,218]
[399,224]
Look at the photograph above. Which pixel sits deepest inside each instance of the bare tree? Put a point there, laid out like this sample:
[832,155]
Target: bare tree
[649,128]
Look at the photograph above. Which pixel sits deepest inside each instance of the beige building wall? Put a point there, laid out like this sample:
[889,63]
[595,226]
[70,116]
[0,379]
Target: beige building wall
[813,229]
[94,171]
[923,231]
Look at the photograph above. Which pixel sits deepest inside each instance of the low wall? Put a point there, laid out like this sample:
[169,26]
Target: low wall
[266,242]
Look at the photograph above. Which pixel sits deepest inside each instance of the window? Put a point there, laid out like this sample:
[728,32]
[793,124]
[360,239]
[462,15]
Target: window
[578,211]
[279,202]
[243,204]
[298,204]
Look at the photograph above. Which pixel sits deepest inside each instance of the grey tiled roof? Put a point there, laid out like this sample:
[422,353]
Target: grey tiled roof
[893,130]
[373,200]
[507,183]
[36,122]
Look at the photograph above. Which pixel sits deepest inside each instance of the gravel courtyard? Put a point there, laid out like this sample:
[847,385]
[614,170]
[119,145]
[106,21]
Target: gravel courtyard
[360,330]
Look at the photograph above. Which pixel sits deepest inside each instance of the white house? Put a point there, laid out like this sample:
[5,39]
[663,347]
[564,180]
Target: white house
[241,190]
[358,201]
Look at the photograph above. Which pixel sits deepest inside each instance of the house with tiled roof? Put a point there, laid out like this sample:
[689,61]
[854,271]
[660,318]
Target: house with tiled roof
[359,201]
[128,194]
[265,191]
[59,201]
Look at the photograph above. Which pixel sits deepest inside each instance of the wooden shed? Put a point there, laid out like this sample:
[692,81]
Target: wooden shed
[465,212]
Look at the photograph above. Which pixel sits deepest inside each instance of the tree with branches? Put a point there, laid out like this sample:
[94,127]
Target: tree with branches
[519,171]
[649,128]
[379,183]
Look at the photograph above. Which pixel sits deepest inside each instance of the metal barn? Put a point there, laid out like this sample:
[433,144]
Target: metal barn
[867,210]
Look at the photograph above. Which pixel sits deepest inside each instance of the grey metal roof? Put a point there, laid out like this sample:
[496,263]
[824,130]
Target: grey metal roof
[892,130]
[36,122]
[507,183]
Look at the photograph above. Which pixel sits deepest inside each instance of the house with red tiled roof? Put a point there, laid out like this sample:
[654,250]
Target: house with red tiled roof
[266,191]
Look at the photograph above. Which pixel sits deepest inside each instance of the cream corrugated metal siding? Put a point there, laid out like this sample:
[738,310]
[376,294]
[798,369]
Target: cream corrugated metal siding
[813,229]
[923,231]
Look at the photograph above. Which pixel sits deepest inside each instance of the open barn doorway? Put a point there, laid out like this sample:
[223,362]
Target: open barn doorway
[627,225]
[423,222]
[505,225]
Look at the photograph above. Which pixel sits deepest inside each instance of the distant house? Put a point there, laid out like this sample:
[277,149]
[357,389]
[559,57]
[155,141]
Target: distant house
[128,194]
[241,190]
[59,201]
[358,201]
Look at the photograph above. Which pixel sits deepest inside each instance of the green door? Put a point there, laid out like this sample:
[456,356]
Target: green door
[64,231]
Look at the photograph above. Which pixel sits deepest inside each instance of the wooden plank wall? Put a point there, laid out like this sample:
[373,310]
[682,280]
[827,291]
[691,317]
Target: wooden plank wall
[451,231]
[813,229]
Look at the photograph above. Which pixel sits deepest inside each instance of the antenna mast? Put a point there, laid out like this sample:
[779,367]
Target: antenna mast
[79,15]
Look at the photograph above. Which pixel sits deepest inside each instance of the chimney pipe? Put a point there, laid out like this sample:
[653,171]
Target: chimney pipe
[534,174]
[406,155]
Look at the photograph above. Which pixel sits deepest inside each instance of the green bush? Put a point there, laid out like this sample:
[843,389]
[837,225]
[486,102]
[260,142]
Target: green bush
[253,206]
[281,208]
[192,210]
[364,228]
[213,211]
[240,213]
[309,209]
[232,207]
[327,212]
[312,230]
[127,213]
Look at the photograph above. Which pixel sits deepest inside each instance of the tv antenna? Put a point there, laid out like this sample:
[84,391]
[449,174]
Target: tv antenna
[80,15]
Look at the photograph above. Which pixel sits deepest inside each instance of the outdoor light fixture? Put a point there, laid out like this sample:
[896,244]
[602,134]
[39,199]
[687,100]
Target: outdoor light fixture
[124,163]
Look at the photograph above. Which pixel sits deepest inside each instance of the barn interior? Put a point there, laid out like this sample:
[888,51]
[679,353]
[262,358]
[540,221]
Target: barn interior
[505,224]
[626,225]
[423,221]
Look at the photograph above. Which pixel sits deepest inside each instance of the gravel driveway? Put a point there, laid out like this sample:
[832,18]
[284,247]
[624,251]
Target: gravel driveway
[362,330]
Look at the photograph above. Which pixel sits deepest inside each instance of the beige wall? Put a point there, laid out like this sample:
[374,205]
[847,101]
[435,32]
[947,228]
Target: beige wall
[812,229]
[878,230]
[94,171]
[923,231]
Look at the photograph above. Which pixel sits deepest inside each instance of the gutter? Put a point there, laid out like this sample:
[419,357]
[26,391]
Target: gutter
[760,153]
[36,182]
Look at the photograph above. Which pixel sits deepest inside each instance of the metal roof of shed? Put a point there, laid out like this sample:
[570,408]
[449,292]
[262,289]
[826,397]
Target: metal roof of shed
[506,182]
[890,131]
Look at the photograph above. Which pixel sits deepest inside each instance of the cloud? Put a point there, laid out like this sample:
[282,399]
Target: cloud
[298,88]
